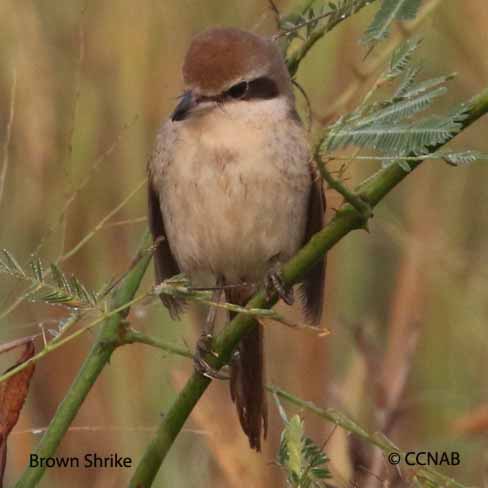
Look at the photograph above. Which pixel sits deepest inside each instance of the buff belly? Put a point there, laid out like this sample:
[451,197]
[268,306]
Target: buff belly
[233,216]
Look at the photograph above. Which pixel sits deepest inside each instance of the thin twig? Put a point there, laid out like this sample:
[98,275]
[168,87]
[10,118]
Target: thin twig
[102,157]
[38,286]
[74,112]
[307,102]
[68,324]
[138,220]
[101,223]
[102,428]
[6,144]
[422,157]
[76,96]
[276,12]
[357,201]
[286,32]
[297,56]
[132,336]
[8,346]
[56,344]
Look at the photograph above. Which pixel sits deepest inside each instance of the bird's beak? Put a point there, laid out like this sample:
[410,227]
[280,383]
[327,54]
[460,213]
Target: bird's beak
[183,109]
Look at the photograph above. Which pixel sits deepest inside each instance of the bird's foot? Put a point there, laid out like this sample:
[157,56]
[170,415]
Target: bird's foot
[204,348]
[274,282]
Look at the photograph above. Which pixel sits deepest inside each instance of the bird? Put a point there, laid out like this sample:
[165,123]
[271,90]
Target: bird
[233,193]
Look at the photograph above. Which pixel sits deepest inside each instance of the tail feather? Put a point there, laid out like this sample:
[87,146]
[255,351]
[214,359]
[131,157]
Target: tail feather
[247,387]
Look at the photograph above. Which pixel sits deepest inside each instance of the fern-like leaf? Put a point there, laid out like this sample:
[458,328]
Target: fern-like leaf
[462,158]
[52,286]
[390,11]
[304,462]
[402,57]
[399,140]
[391,126]
[293,440]
[316,459]
[37,269]
[83,292]
[403,109]
[9,265]
[406,82]
[425,86]
[61,280]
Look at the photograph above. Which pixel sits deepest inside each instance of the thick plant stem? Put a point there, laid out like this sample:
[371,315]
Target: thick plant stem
[346,220]
[108,339]
[168,430]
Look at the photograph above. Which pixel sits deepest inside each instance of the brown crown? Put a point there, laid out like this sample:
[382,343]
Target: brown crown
[219,57]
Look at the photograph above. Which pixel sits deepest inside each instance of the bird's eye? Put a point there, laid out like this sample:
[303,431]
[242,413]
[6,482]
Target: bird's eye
[239,90]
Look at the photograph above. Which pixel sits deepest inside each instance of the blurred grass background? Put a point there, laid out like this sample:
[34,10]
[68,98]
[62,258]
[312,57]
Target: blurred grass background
[93,82]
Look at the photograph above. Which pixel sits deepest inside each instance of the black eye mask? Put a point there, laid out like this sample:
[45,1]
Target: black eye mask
[258,89]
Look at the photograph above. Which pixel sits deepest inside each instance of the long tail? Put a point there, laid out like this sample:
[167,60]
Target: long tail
[247,387]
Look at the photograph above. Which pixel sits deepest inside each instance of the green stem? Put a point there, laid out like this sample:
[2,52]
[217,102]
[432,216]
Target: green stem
[346,220]
[174,419]
[295,58]
[350,197]
[108,339]
[132,336]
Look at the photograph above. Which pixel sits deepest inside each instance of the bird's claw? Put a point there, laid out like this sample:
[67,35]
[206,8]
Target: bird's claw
[203,348]
[204,345]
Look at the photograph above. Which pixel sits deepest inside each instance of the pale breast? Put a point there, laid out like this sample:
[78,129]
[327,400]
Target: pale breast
[234,192]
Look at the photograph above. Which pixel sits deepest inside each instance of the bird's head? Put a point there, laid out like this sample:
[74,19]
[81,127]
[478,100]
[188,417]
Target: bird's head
[226,65]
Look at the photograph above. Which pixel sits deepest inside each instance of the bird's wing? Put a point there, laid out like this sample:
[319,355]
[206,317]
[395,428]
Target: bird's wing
[312,287]
[165,265]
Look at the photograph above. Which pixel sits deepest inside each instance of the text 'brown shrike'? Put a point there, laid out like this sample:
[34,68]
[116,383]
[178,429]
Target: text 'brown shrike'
[232,192]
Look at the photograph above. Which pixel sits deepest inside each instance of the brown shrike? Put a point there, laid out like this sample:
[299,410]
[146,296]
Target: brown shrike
[232,192]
